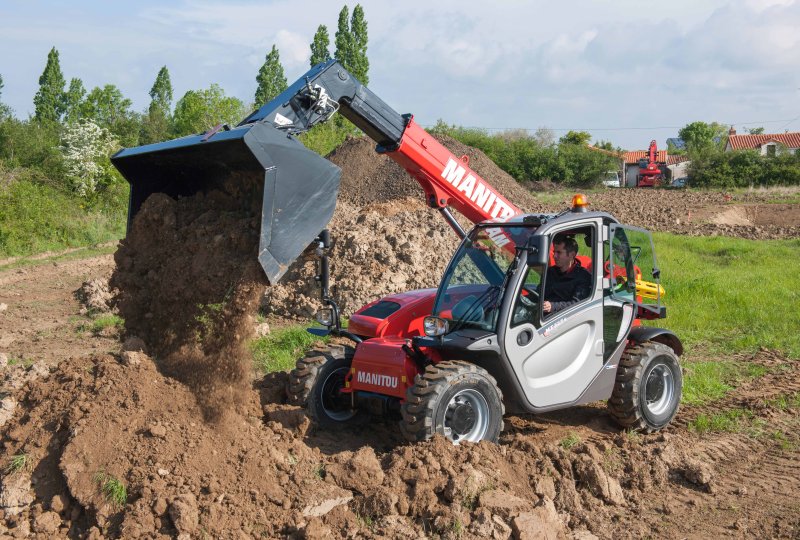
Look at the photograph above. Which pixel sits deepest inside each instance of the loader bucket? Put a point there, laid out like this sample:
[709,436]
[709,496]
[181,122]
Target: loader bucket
[300,187]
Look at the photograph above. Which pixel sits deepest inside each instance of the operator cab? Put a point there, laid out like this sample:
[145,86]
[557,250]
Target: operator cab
[492,305]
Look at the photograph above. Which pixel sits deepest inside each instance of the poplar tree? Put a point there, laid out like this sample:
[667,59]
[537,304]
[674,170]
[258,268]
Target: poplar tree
[73,99]
[358,31]
[319,48]
[156,123]
[344,40]
[49,100]
[271,80]
[4,109]
[161,92]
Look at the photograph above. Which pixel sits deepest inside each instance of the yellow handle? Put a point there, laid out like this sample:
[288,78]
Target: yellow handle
[648,289]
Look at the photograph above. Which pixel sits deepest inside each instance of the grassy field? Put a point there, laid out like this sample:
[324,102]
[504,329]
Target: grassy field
[726,295]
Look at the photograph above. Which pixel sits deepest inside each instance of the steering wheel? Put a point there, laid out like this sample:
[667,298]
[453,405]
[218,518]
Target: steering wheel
[527,301]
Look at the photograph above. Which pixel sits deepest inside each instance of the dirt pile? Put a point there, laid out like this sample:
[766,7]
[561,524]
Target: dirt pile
[189,282]
[97,423]
[385,239]
[753,215]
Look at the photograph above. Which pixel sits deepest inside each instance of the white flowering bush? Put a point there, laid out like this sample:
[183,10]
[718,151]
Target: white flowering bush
[86,148]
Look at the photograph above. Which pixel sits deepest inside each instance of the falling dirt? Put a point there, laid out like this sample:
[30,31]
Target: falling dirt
[205,449]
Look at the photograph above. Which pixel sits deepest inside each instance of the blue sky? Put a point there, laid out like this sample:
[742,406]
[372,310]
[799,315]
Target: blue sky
[626,71]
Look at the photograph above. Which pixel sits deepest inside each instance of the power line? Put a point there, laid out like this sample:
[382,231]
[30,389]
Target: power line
[632,128]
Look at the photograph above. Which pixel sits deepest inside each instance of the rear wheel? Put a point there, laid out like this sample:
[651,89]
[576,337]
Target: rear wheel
[327,404]
[456,399]
[648,389]
[302,377]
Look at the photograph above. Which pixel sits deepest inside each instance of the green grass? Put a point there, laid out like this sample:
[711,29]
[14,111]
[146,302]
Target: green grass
[570,441]
[36,218]
[106,321]
[785,401]
[729,421]
[113,490]
[728,295]
[280,350]
[17,463]
[707,381]
[24,362]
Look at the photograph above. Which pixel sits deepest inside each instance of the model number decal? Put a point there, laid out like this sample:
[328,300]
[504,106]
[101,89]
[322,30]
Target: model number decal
[376,379]
[549,330]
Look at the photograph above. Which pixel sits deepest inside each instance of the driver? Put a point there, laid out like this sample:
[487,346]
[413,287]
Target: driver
[567,282]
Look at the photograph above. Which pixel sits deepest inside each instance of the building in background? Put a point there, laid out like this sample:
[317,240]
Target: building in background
[768,144]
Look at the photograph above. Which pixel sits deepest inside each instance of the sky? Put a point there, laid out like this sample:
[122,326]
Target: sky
[627,71]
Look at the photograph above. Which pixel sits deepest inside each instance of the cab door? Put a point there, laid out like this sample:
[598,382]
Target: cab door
[556,356]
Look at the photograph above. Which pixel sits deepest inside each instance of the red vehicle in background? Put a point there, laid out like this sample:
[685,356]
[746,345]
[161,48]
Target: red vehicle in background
[650,174]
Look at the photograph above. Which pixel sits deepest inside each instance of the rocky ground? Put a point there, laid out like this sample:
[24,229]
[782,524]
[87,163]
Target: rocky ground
[206,449]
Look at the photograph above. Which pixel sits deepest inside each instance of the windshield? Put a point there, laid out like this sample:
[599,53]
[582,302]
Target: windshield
[472,288]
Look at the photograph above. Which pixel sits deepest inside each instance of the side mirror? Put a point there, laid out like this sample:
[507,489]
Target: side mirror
[538,250]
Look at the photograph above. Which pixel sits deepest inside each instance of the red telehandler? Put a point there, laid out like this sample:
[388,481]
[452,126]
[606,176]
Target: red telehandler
[650,174]
[450,360]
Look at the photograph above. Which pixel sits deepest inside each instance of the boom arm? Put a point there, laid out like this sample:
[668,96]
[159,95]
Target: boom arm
[445,179]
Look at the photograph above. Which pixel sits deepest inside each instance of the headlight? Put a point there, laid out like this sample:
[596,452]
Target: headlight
[325,317]
[434,326]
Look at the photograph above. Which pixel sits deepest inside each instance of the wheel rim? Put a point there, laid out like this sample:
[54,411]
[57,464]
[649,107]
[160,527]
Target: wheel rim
[333,403]
[659,390]
[466,417]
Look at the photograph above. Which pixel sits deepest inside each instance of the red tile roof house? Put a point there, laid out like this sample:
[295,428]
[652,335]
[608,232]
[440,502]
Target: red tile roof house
[768,144]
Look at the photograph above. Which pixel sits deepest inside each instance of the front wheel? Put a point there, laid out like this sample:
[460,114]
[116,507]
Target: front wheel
[648,389]
[327,404]
[456,399]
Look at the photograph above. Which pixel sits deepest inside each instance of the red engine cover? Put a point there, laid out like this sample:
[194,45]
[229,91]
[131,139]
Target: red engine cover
[404,321]
[380,365]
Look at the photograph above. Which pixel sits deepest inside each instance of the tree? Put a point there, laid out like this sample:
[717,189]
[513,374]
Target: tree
[700,136]
[544,136]
[344,40]
[581,138]
[199,110]
[109,109]
[161,92]
[358,30]
[755,131]
[271,80]
[49,100]
[73,100]
[86,148]
[604,145]
[4,109]
[156,122]
[319,48]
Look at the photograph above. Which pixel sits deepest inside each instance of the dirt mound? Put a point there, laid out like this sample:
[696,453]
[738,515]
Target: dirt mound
[385,239]
[99,423]
[189,283]
[750,215]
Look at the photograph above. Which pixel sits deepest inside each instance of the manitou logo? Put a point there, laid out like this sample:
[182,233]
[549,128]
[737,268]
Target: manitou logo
[475,190]
[377,379]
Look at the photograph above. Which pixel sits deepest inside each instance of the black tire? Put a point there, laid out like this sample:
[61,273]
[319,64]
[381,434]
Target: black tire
[647,392]
[456,399]
[327,406]
[302,377]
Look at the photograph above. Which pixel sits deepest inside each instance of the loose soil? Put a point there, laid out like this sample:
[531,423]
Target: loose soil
[206,448]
